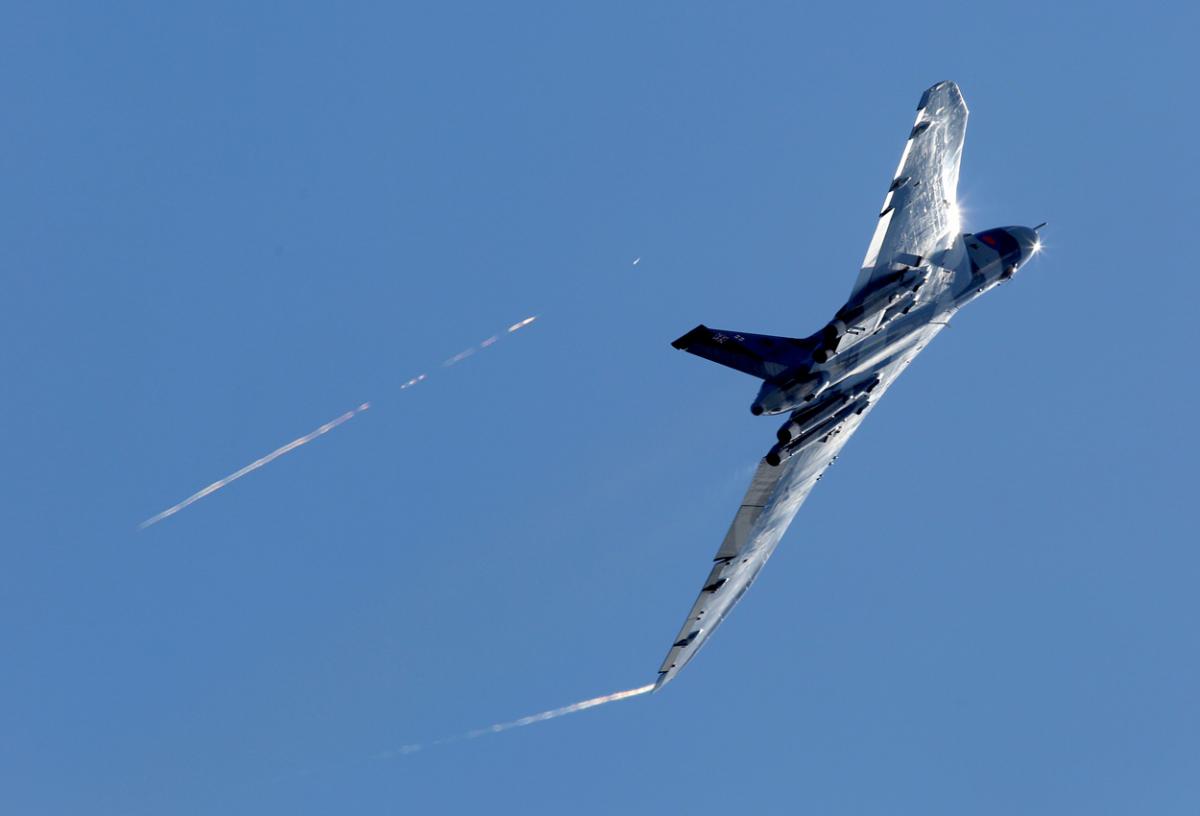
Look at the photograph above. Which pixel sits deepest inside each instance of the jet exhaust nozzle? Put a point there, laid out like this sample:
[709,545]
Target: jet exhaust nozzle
[776,398]
[832,333]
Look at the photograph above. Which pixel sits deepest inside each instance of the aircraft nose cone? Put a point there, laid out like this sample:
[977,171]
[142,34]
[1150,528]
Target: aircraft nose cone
[1028,242]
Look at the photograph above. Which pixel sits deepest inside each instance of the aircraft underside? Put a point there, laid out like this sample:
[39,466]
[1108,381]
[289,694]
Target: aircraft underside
[919,270]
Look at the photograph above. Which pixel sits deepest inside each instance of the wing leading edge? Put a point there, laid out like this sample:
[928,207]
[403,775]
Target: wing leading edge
[920,211]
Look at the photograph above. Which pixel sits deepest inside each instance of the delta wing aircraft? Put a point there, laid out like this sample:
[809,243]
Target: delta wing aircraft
[919,270]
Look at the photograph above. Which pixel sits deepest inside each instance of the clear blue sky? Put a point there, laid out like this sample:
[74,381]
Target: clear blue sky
[226,223]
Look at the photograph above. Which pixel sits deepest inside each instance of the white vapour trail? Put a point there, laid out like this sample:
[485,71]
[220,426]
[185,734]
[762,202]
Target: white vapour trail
[324,429]
[522,324]
[458,358]
[530,720]
[559,712]
[465,353]
[255,465]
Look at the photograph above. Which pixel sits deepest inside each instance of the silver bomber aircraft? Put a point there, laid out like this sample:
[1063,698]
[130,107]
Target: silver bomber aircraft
[919,270]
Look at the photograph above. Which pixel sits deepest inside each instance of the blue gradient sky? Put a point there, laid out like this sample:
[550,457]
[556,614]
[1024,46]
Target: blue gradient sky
[226,223]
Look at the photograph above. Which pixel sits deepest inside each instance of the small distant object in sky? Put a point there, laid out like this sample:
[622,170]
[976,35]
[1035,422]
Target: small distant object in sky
[414,381]
[637,260]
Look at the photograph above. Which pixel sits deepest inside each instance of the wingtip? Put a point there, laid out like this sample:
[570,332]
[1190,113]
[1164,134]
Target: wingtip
[683,342]
[946,86]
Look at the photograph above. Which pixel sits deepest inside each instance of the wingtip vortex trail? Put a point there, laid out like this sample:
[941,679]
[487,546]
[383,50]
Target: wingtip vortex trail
[522,324]
[531,719]
[255,465]
[321,431]
[554,713]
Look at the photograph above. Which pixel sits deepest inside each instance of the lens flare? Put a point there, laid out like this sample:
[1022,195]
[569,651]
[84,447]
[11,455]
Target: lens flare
[954,218]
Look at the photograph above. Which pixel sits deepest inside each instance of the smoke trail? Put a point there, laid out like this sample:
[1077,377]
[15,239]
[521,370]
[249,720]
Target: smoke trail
[324,429]
[255,465]
[530,720]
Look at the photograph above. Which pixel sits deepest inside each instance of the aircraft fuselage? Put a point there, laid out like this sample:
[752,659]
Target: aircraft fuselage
[879,331]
